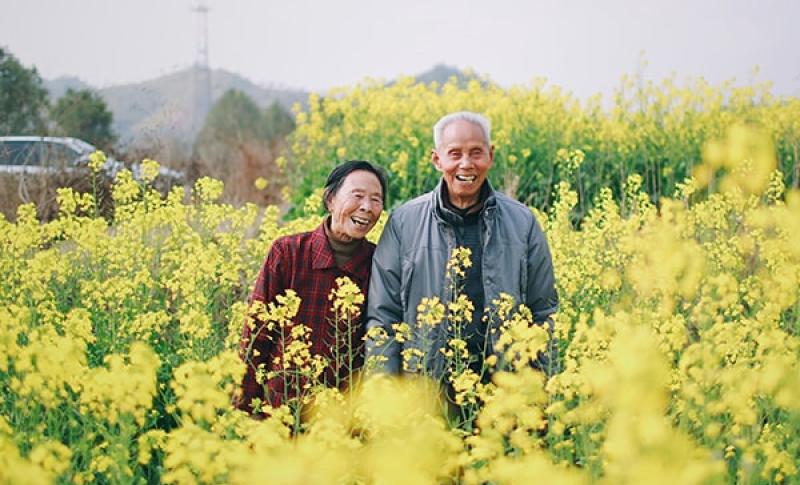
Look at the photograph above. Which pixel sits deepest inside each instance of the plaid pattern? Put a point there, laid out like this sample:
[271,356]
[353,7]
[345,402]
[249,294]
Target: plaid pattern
[305,263]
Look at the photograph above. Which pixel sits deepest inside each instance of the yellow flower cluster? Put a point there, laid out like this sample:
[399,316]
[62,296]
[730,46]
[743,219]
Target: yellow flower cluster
[150,170]
[203,389]
[97,160]
[126,386]
[44,463]
[347,299]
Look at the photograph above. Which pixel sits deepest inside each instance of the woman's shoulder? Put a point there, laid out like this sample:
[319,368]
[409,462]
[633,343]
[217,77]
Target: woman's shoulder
[298,241]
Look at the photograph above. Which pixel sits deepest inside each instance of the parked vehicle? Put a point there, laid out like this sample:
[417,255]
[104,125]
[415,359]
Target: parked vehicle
[44,155]
[47,155]
[33,167]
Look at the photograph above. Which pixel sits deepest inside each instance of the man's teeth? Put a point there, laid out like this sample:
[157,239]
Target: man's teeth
[360,221]
[466,178]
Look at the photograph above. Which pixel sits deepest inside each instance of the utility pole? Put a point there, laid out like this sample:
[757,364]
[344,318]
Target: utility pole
[201,71]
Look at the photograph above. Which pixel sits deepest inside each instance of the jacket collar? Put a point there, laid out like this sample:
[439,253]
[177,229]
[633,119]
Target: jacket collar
[445,214]
[322,254]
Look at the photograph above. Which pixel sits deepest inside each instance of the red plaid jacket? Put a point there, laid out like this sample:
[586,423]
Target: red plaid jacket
[303,262]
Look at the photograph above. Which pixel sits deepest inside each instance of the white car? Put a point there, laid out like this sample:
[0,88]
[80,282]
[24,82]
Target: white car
[41,155]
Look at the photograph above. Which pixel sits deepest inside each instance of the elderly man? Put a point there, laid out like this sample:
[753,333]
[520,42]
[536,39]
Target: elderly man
[509,254]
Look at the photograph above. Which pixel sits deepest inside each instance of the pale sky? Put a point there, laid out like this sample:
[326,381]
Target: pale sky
[581,45]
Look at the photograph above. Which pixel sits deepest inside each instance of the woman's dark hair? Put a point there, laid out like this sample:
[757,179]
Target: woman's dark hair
[338,174]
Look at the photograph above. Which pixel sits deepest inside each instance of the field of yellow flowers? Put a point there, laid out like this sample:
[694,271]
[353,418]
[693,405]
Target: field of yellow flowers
[678,346]
[543,134]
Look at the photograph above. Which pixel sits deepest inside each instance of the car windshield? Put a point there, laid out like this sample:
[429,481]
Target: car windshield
[59,155]
[19,153]
[83,146]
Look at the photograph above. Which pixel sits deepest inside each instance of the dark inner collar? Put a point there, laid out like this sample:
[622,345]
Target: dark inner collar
[341,248]
[467,212]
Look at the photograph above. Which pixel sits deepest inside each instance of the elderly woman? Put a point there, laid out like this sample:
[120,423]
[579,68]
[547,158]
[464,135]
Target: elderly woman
[309,263]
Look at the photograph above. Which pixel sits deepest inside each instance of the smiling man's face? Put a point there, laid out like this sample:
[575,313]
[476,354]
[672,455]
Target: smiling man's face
[464,157]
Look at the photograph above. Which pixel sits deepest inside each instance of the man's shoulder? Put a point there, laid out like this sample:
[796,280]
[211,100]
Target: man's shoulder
[513,206]
[413,207]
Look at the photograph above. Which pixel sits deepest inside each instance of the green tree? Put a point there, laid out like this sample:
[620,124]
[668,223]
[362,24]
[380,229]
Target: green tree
[84,114]
[277,122]
[239,142]
[23,99]
[234,119]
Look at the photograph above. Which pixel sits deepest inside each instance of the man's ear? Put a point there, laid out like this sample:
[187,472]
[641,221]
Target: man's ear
[435,159]
[491,153]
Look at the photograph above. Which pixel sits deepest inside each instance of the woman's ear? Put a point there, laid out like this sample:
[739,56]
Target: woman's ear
[326,198]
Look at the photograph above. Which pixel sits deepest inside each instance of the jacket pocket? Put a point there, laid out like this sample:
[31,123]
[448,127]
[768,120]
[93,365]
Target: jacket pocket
[405,283]
[523,280]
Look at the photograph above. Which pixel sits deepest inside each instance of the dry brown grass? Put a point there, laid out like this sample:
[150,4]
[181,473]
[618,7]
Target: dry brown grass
[238,166]
[18,189]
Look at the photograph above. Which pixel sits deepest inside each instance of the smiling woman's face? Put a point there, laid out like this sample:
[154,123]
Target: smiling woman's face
[464,158]
[356,206]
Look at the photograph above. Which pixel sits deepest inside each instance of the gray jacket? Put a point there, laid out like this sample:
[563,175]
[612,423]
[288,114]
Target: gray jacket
[410,264]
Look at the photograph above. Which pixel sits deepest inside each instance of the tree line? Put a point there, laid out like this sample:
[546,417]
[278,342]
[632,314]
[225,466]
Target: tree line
[26,108]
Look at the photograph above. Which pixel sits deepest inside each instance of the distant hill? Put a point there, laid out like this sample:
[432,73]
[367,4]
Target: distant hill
[58,87]
[441,73]
[161,108]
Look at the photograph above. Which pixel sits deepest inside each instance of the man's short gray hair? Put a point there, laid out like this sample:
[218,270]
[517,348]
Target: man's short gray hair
[474,118]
